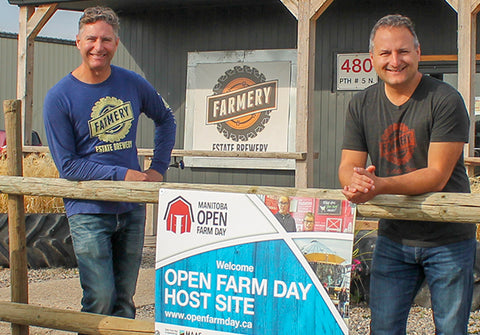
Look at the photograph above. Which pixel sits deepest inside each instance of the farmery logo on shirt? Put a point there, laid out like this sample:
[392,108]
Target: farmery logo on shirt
[111,119]
[397,144]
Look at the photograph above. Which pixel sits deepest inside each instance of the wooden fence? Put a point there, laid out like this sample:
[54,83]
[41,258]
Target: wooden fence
[452,207]
[434,206]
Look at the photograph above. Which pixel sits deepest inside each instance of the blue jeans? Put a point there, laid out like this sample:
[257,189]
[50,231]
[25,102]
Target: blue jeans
[108,248]
[398,272]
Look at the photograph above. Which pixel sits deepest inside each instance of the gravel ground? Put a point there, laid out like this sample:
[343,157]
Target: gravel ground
[419,321]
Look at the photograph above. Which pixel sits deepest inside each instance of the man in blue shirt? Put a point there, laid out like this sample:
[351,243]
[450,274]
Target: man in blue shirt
[91,119]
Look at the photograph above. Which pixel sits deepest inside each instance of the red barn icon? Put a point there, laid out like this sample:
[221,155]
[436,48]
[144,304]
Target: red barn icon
[179,216]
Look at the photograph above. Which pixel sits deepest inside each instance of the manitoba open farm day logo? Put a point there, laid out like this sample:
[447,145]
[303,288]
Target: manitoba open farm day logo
[211,217]
[240,107]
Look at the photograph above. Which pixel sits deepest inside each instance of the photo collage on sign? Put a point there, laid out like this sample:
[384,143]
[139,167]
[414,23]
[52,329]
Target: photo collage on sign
[310,214]
[328,245]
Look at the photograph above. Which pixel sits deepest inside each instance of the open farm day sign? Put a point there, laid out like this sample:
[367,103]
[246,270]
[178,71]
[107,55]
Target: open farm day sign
[226,265]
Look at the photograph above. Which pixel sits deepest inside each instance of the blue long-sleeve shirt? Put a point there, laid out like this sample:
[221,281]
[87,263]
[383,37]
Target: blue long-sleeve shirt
[92,128]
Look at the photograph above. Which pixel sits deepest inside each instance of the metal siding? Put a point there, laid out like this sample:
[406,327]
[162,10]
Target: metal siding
[8,72]
[52,61]
[160,41]
[156,43]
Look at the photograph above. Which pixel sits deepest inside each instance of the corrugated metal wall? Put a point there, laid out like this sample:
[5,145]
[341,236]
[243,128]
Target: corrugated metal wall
[8,73]
[160,40]
[156,43]
[53,60]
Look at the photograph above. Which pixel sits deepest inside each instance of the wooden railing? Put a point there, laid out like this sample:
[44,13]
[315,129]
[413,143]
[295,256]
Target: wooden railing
[452,207]
[300,156]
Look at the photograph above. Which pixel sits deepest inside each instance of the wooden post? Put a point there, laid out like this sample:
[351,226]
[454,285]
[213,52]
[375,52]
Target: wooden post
[16,210]
[25,71]
[150,213]
[31,21]
[307,13]
[305,83]
[467,13]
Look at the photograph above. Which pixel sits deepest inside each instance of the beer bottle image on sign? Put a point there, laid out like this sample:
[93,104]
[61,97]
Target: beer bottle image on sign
[251,111]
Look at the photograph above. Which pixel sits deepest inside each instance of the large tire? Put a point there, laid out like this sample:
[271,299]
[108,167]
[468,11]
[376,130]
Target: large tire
[48,239]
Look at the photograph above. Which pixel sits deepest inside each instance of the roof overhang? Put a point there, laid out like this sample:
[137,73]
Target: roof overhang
[137,5]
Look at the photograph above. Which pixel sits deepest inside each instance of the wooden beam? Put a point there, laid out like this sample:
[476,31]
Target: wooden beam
[292,6]
[85,323]
[39,18]
[140,192]
[443,207]
[305,87]
[466,66]
[472,160]
[475,7]
[308,13]
[317,7]
[453,4]
[439,58]
[299,156]
[442,58]
[31,21]
[25,72]
[202,153]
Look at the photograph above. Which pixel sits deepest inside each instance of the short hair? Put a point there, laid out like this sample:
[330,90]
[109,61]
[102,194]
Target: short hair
[99,13]
[394,20]
[309,215]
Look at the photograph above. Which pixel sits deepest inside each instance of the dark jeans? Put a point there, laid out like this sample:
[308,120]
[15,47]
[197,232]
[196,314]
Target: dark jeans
[398,272]
[109,252]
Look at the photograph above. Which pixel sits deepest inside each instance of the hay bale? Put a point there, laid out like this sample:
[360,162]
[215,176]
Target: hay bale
[39,165]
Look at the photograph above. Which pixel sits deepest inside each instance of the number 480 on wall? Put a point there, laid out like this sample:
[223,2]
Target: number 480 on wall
[357,65]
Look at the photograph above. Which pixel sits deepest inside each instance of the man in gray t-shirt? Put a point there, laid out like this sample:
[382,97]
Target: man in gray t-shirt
[413,128]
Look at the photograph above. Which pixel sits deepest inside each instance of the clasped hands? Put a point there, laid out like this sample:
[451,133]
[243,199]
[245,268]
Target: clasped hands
[362,185]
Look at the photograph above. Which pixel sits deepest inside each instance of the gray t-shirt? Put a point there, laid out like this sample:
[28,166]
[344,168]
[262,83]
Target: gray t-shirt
[397,139]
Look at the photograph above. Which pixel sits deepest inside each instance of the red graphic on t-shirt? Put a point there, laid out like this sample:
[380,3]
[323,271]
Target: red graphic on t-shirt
[397,144]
